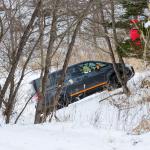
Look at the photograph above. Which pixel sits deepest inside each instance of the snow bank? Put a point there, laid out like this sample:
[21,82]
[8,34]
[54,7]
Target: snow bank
[105,114]
[83,123]
[117,112]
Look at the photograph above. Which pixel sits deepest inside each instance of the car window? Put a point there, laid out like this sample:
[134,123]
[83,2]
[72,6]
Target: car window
[74,72]
[36,84]
[84,68]
[52,80]
[96,66]
[101,64]
[91,66]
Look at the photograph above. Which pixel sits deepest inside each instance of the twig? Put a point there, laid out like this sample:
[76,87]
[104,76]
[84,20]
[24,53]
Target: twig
[23,109]
[110,96]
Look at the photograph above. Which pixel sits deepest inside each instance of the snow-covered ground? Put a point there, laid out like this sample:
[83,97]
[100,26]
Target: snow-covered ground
[116,112]
[89,124]
[68,136]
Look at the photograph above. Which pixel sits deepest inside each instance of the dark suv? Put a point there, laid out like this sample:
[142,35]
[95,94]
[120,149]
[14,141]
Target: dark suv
[82,80]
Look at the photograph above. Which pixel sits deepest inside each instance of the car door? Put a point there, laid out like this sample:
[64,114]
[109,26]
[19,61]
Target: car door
[96,77]
[74,81]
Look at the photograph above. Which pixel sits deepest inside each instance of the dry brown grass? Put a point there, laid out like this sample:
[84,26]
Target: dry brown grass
[83,51]
[142,127]
[138,64]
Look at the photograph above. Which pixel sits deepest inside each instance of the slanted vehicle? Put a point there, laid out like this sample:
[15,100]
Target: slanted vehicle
[81,80]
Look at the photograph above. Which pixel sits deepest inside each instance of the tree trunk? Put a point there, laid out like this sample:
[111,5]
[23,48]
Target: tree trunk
[111,49]
[1,31]
[124,80]
[53,30]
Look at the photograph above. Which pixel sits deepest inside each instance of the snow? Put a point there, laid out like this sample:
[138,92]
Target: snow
[106,114]
[89,124]
[66,136]
[85,125]
[89,110]
[147,24]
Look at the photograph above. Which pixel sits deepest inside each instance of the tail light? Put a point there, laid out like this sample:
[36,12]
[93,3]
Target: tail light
[38,96]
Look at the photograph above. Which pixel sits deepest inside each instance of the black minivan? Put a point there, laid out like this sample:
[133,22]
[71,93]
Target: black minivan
[82,79]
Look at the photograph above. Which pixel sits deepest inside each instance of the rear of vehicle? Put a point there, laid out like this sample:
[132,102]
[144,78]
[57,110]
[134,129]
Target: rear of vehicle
[50,87]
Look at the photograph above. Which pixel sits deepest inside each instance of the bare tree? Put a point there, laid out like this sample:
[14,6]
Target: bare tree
[67,58]
[11,100]
[60,23]
[18,54]
[40,109]
[123,80]
[47,60]
[108,41]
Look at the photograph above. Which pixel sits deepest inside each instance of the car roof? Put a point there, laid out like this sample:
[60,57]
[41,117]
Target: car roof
[90,61]
[71,66]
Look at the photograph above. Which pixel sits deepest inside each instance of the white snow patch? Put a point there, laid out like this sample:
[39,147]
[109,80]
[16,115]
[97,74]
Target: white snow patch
[66,136]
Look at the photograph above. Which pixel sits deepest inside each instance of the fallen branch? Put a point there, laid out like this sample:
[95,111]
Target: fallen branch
[23,109]
[110,96]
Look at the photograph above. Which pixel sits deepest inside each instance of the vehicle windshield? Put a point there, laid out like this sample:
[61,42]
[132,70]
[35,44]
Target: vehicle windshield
[91,66]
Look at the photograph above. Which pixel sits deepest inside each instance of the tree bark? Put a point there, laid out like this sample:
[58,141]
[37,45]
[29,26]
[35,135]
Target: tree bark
[1,31]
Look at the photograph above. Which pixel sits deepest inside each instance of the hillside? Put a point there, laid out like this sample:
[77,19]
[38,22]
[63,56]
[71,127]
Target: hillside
[91,123]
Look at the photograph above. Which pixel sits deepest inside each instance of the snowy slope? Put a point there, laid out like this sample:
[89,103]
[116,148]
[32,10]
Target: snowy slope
[85,125]
[108,114]
[92,112]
